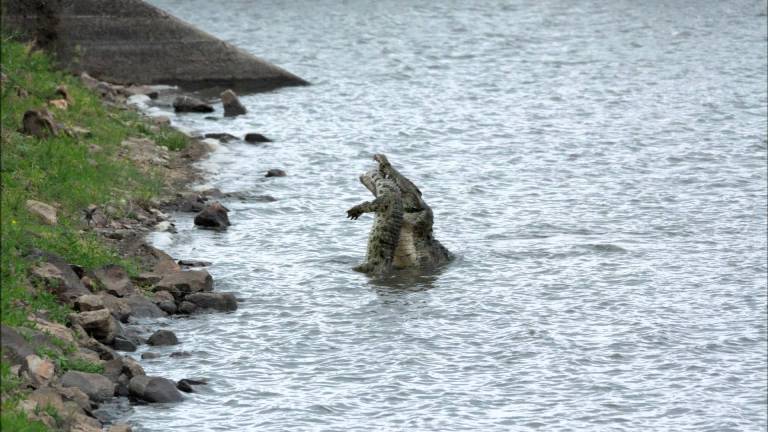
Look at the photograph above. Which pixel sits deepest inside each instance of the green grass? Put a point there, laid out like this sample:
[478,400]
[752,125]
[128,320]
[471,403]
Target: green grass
[62,171]
[69,173]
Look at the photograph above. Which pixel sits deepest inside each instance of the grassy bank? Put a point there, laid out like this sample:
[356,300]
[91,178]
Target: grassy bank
[68,172]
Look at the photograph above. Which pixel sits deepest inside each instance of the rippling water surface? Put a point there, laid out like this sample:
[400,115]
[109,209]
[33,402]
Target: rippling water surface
[598,167]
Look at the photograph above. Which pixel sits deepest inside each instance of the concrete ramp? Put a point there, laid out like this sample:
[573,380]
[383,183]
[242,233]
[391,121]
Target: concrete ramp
[129,41]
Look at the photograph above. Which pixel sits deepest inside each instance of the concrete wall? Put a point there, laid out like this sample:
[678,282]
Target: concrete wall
[129,41]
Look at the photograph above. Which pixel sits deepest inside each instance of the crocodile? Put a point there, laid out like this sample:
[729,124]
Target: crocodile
[415,245]
[388,220]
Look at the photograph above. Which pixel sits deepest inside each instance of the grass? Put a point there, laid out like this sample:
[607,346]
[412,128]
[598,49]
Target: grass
[69,173]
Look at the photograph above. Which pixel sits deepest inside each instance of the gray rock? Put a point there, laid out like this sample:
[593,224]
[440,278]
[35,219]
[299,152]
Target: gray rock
[183,283]
[154,389]
[186,307]
[223,137]
[115,280]
[46,213]
[163,337]
[57,276]
[180,354]
[118,307]
[213,300]
[214,216]
[254,138]
[185,385]
[40,370]
[274,172]
[39,123]
[14,347]
[89,302]
[98,387]
[190,104]
[122,343]
[99,323]
[232,105]
[149,355]
[168,307]
[142,307]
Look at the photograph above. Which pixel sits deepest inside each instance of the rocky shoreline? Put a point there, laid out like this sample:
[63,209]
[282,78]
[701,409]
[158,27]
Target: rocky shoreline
[106,301]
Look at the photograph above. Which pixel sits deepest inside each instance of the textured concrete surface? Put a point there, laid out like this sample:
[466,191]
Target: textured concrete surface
[129,41]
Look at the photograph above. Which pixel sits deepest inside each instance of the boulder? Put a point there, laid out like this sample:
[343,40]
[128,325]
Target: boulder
[132,368]
[213,300]
[187,308]
[223,136]
[89,302]
[183,283]
[274,172]
[39,123]
[40,370]
[76,395]
[149,355]
[15,347]
[123,343]
[104,352]
[142,307]
[185,385]
[232,105]
[98,387]
[161,120]
[120,428]
[163,337]
[168,307]
[154,389]
[54,329]
[118,307]
[44,212]
[254,138]
[57,276]
[115,280]
[163,296]
[214,216]
[83,423]
[99,323]
[190,104]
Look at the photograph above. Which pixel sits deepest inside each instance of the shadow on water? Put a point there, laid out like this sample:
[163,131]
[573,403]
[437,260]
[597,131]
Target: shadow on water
[406,281]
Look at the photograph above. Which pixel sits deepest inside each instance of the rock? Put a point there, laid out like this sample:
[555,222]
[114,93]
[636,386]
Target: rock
[132,368]
[113,369]
[223,137]
[40,371]
[213,300]
[232,105]
[122,343]
[189,202]
[54,329]
[168,307]
[83,423]
[147,278]
[87,355]
[213,216]
[44,212]
[164,226]
[14,346]
[193,263]
[98,387]
[150,355]
[39,123]
[76,395]
[61,104]
[47,396]
[89,302]
[57,277]
[182,283]
[187,308]
[118,307]
[163,296]
[142,307]
[154,389]
[144,151]
[185,386]
[264,198]
[180,354]
[162,337]
[115,280]
[190,104]
[99,323]
[161,120]
[104,352]
[119,428]
[274,172]
[254,138]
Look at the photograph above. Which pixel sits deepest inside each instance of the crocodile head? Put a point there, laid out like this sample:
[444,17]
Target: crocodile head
[369,179]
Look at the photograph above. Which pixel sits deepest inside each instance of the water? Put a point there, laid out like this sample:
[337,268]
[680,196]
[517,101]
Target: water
[598,167]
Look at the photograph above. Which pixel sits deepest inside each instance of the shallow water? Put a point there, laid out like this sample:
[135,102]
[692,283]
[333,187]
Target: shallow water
[598,167]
